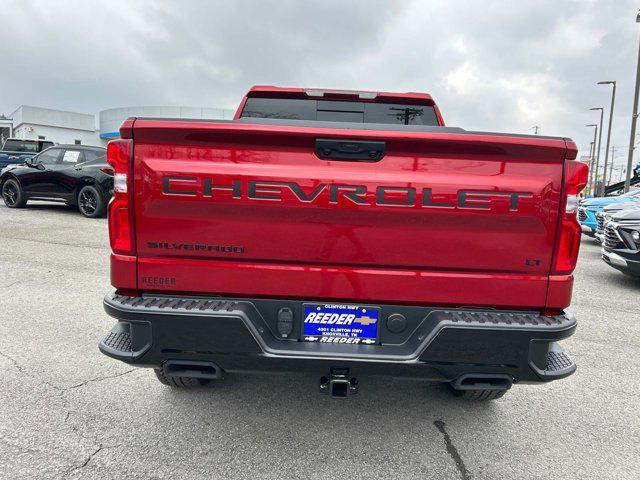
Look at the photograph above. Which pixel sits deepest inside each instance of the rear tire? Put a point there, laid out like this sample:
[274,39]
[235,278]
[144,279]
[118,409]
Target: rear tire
[478,395]
[12,194]
[180,382]
[90,202]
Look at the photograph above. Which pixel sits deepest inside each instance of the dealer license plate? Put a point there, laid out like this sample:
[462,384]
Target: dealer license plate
[346,324]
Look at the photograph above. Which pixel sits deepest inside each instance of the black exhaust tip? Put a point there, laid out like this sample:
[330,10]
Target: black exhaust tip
[192,369]
[483,381]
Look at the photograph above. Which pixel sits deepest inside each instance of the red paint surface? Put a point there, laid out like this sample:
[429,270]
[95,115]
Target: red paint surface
[123,271]
[321,250]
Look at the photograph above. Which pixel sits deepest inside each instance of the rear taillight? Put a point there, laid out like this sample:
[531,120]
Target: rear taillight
[576,176]
[121,236]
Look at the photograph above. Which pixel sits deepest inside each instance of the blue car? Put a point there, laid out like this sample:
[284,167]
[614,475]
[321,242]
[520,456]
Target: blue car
[588,208]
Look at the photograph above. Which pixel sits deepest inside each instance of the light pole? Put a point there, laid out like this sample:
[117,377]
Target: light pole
[593,150]
[634,117]
[599,137]
[591,163]
[606,152]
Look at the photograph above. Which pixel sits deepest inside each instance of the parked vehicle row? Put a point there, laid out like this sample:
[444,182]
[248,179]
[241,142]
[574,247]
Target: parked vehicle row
[589,208]
[77,175]
[615,223]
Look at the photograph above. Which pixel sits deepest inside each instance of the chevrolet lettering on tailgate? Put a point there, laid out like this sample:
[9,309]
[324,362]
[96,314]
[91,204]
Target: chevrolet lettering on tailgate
[357,194]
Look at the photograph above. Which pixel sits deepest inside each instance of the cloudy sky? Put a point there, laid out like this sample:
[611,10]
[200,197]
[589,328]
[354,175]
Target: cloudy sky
[491,65]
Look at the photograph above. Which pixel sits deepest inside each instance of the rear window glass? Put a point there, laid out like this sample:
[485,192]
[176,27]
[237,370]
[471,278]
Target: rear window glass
[336,111]
[20,146]
[95,156]
[31,146]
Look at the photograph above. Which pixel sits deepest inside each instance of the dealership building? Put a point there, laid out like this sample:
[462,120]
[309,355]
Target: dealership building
[59,126]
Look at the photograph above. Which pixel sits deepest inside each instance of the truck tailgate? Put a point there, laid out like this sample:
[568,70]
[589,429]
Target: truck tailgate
[443,218]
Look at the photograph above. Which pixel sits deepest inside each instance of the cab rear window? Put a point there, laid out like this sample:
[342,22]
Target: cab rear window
[31,146]
[20,146]
[336,111]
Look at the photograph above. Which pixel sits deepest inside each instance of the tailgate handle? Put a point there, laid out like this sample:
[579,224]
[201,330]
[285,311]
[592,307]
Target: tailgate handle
[350,150]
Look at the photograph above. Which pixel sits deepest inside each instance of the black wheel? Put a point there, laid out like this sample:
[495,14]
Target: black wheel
[180,382]
[90,202]
[478,395]
[12,194]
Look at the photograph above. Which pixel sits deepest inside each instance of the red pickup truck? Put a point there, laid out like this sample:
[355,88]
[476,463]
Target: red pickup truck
[343,234]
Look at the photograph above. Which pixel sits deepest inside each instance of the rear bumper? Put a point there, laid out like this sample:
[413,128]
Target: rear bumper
[241,335]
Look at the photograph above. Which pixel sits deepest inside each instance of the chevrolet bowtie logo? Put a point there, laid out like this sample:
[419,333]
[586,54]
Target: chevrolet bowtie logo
[365,320]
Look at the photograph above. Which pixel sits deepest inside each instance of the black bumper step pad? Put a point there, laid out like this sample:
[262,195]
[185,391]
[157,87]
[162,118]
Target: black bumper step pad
[120,341]
[557,365]
[558,361]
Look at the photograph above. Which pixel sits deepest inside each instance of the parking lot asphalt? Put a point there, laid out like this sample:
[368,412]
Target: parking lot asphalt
[67,411]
